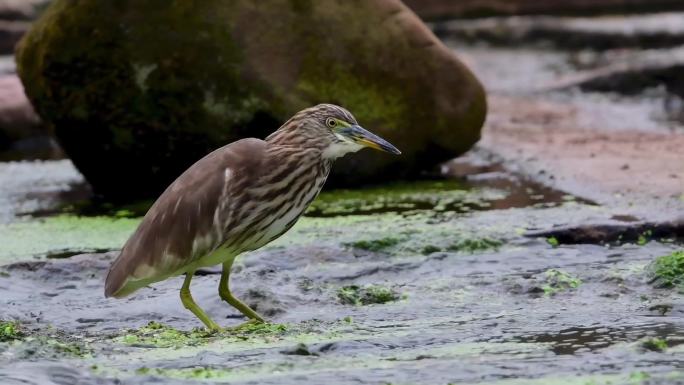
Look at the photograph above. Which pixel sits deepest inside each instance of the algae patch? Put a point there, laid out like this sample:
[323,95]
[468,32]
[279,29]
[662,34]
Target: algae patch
[557,281]
[366,295]
[644,237]
[46,343]
[437,196]
[375,244]
[668,271]
[421,243]
[162,336]
[473,245]
[67,348]
[10,331]
[654,344]
[195,373]
[155,334]
[258,329]
[465,245]
[62,233]
[553,241]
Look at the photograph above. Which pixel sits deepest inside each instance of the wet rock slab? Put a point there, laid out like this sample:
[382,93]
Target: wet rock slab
[32,187]
[649,31]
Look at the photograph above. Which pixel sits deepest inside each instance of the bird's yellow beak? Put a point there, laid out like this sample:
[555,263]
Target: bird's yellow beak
[361,136]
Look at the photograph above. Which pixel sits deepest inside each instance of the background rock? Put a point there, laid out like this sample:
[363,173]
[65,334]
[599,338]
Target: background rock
[441,9]
[15,20]
[139,90]
[10,33]
[22,135]
[21,9]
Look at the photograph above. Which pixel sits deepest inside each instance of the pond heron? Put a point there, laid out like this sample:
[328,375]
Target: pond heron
[237,199]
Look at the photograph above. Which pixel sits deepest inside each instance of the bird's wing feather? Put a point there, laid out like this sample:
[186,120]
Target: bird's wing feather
[184,223]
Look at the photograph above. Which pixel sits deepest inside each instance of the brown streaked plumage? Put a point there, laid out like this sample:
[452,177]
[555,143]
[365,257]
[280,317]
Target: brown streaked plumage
[236,199]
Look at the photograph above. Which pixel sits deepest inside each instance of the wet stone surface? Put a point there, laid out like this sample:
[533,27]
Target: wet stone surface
[34,186]
[607,67]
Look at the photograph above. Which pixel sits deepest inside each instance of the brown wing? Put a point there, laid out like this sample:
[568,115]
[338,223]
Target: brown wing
[179,227]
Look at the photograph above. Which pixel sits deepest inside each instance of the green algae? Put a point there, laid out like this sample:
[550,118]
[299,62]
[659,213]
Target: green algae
[162,336]
[465,245]
[47,345]
[474,245]
[557,281]
[194,373]
[644,237]
[10,331]
[375,244]
[654,344]
[429,249]
[667,271]
[439,196]
[395,234]
[261,329]
[158,335]
[21,240]
[366,295]
[68,348]
[553,241]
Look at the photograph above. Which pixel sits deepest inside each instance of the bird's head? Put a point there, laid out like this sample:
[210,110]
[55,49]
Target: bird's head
[332,129]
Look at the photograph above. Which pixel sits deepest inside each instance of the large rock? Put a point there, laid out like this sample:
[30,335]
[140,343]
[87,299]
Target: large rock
[137,90]
[443,9]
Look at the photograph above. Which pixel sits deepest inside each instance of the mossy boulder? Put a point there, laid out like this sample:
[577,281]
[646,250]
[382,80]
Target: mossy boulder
[138,90]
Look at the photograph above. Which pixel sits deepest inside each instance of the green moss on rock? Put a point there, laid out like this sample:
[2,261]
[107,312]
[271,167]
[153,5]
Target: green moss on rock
[163,336]
[474,245]
[63,235]
[553,241]
[668,270]
[194,373]
[654,344]
[366,295]
[557,281]
[375,244]
[9,331]
[159,335]
[442,195]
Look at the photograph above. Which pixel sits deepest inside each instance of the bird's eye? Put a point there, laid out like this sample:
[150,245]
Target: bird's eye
[331,122]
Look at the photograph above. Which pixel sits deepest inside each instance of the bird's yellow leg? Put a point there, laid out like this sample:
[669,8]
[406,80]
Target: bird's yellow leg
[190,304]
[226,295]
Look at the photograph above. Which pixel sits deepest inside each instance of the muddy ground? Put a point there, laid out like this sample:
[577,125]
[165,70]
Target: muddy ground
[487,277]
